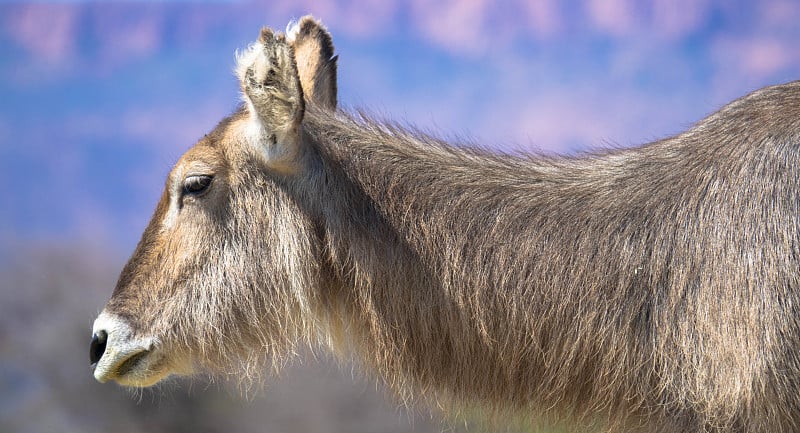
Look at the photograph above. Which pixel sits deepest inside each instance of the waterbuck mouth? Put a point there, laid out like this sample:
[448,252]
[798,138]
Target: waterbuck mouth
[115,354]
[120,367]
[130,364]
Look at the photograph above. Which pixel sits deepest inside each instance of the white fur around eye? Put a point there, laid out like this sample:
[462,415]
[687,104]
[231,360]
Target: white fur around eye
[174,204]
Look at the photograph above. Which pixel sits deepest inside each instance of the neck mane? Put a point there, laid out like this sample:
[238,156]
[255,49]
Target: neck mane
[475,274]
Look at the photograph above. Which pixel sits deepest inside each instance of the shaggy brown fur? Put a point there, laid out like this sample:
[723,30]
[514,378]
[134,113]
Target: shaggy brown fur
[649,289]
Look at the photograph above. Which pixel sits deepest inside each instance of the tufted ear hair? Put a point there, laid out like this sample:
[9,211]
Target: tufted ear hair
[316,62]
[271,88]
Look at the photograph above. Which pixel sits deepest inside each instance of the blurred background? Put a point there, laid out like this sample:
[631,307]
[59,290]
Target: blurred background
[99,99]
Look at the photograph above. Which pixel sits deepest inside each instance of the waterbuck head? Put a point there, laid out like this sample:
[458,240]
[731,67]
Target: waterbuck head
[227,240]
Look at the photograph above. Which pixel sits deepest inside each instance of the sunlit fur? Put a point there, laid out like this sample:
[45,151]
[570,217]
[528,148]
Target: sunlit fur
[651,289]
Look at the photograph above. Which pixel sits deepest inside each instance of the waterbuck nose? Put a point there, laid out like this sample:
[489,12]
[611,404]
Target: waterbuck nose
[97,347]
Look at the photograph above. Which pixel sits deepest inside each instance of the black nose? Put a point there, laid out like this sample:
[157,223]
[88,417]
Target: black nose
[98,347]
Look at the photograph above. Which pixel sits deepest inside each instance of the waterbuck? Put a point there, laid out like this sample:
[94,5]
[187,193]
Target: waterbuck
[651,289]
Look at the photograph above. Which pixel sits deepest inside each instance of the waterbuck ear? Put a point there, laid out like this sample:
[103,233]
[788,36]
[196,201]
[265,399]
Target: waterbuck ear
[316,62]
[271,86]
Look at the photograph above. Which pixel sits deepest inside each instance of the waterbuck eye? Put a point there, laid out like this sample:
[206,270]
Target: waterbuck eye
[196,184]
